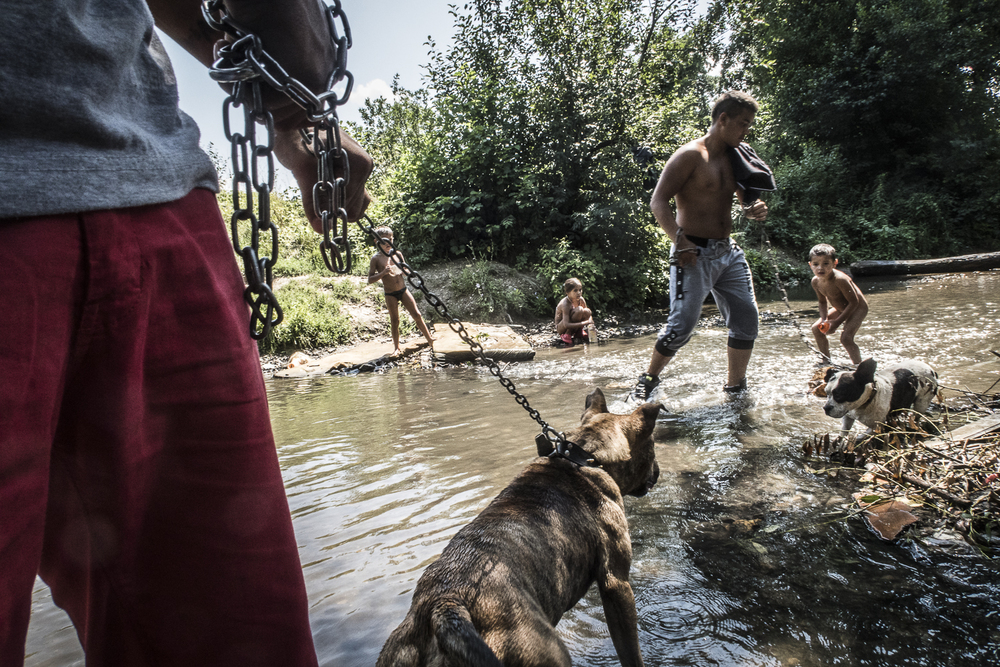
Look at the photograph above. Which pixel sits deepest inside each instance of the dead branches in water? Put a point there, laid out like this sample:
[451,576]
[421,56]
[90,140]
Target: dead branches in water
[956,473]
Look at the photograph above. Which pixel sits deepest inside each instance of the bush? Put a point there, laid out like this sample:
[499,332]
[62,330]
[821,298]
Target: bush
[495,297]
[312,315]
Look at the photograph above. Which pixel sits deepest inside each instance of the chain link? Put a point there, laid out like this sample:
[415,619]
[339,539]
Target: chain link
[244,64]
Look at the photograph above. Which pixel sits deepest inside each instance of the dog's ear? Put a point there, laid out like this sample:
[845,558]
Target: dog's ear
[648,412]
[596,404]
[830,372]
[866,371]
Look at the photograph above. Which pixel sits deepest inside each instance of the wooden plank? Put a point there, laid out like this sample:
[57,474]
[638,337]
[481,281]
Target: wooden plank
[975,429]
[499,343]
[371,352]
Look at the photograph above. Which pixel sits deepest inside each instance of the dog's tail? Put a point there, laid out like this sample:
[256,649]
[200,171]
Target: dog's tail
[458,639]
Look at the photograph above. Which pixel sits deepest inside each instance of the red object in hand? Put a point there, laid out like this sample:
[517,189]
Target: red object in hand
[824,328]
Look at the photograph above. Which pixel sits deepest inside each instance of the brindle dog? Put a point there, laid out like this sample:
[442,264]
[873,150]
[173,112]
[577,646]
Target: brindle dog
[504,581]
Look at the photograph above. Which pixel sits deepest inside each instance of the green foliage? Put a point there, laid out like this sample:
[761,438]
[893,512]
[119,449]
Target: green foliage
[312,315]
[884,120]
[527,134]
[482,279]
[767,267]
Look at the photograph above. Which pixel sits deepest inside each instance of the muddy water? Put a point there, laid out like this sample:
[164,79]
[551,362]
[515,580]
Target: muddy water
[382,470]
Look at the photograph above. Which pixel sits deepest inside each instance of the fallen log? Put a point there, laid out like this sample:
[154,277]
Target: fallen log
[879,267]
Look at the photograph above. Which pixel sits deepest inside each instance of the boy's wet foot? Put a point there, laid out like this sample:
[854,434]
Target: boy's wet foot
[736,388]
[644,387]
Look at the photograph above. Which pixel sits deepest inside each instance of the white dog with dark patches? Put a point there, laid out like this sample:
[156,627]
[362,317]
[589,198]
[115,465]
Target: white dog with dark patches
[869,395]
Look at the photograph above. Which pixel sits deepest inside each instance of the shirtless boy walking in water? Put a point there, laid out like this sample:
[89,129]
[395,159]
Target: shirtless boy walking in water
[840,302]
[394,284]
[703,259]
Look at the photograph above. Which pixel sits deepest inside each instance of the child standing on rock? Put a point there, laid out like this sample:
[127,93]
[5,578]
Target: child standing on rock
[573,318]
[394,285]
[840,302]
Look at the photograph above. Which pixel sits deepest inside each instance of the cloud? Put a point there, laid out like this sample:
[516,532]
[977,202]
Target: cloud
[374,89]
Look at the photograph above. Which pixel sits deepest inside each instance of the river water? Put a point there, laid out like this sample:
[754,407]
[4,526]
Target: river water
[382,470]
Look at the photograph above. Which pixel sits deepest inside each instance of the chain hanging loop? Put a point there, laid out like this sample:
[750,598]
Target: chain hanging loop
[244,64]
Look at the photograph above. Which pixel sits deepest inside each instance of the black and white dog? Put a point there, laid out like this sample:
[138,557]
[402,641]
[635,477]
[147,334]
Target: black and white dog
[869,396]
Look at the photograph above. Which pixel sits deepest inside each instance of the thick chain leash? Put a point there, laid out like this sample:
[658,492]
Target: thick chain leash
[244,64]
[558,440]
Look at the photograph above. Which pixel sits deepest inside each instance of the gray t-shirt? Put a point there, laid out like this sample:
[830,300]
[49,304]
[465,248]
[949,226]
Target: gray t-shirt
[88,111]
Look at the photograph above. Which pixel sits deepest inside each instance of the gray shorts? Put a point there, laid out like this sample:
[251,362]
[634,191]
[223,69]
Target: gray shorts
[722,269]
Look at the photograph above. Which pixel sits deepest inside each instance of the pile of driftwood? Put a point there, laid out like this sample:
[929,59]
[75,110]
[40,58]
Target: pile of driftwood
[916,463]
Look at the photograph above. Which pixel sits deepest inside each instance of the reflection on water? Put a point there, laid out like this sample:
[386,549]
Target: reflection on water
[382,470]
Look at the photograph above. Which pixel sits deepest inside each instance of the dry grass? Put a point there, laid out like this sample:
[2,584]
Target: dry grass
[953,473]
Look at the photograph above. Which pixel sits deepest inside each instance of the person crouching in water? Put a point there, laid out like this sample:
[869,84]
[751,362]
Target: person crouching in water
[840,302]
[572,315]
[394,284]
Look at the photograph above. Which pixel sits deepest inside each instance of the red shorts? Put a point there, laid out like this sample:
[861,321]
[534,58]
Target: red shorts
[138,473]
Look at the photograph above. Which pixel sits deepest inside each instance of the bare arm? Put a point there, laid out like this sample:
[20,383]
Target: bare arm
[374,274]
[675,174]
[756,211]
[295,33]
[821,298]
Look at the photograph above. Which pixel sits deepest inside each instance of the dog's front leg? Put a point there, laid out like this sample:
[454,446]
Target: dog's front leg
[846,424]
[619,609]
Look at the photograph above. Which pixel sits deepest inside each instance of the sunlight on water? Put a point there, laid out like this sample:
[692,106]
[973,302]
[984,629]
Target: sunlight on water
[382,470]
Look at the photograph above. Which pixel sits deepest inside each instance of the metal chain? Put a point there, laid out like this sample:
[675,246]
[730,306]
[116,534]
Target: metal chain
[244,64]
[555,437]
[772,255]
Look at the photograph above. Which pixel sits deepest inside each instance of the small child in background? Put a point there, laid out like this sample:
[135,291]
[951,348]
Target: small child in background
[573,318]
[840,302]
[394,285]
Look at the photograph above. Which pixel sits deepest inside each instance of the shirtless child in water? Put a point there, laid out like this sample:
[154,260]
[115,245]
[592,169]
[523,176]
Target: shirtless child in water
[840,302]
[572,315]
[394,284]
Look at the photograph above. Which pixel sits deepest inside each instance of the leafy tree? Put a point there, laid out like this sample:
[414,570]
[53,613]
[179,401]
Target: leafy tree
[522,149]
[885,119]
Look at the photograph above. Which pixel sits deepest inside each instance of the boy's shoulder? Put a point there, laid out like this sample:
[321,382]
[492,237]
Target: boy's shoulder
[842,275]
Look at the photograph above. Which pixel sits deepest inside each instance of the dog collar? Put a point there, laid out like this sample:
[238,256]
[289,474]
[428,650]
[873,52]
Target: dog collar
[574,453]
[872,389]
[565,449]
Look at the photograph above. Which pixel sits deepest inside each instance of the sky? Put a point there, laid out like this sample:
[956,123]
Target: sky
[389,38]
